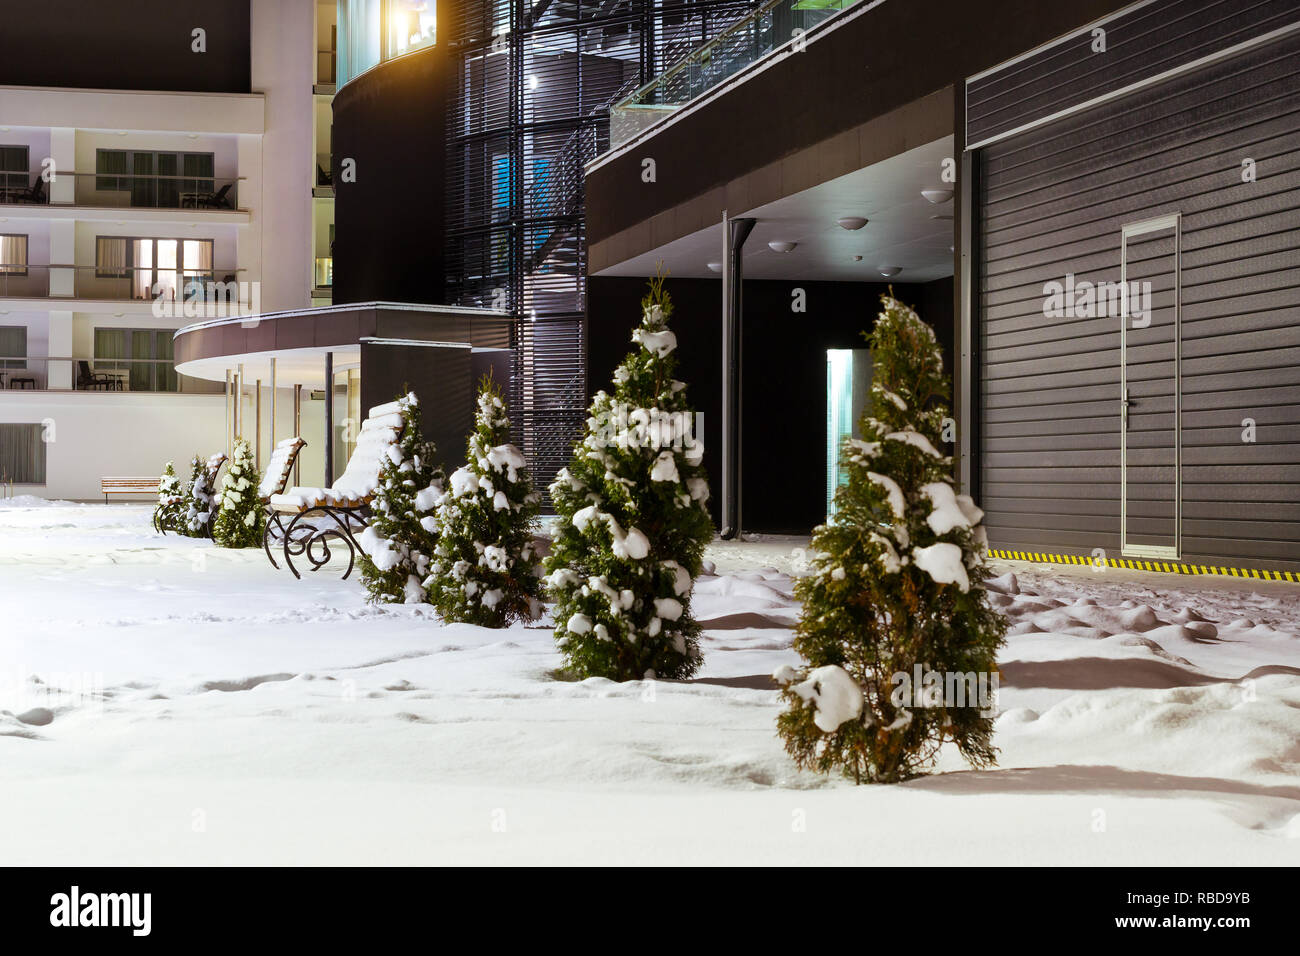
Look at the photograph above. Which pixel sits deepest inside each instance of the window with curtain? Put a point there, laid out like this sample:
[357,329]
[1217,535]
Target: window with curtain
[13,167]
[111,258]
[144,354]
[169,263]
[13,255]
[22,453]
[116,163]
[157,179]
[13,346]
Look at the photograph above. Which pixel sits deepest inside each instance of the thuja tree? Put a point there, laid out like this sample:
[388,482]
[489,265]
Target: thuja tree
[197,503]
[633,521]
[485,567]
[170,509]
[896,590]
[398,544]
[240,516]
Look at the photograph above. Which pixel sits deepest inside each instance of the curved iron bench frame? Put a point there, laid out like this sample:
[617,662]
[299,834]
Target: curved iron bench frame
[314,544]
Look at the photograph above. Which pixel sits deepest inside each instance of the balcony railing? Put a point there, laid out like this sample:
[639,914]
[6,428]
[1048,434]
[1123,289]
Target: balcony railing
[67,374]
[121,191]
[22,281]
[746,41]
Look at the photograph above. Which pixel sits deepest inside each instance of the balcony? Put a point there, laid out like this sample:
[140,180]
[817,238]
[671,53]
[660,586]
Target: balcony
[88,374]
[121,191]
[768,28]
[117,283]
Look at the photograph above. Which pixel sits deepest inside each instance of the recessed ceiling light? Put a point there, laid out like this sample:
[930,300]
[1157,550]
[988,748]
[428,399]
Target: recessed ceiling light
[888,271]
[121,132]
[782,245]
[715,266]
[937,196]
[191,135]
[941,215]
[851,222]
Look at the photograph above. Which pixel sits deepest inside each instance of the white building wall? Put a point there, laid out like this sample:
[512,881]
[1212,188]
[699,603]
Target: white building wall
[267,138]
[283,68]
[98,434]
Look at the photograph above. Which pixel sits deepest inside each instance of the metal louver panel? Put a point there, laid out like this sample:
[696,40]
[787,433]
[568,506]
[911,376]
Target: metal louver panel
[534,81]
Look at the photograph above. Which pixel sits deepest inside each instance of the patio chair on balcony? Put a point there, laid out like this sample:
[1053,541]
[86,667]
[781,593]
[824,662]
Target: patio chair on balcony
[86,379]
[216,200]
[318,514]
[35,193]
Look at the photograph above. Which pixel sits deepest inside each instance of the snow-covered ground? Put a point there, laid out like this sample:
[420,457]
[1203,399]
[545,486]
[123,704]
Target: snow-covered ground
[165,701]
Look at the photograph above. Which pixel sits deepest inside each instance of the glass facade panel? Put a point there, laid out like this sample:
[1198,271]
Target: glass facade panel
[373,31]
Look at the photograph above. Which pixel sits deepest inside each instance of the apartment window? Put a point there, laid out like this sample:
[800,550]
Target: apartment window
[145,355]
[111,257]
[13,168]
[167,180]
[13,346]
[22,453]
[13,255]
[167,265]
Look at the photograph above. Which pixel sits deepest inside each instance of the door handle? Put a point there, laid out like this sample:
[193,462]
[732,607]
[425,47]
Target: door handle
[1125,404]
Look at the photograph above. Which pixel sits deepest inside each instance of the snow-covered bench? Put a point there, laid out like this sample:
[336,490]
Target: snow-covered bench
[342,509]
[274,479]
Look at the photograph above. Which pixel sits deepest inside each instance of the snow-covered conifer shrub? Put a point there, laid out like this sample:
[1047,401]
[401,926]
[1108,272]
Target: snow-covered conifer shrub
[240,515]
[197,504]
[398,543]
[485,567]
[169,511]
[896,585]
[633,520]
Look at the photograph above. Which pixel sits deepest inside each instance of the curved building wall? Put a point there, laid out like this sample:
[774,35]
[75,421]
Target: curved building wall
[389,216]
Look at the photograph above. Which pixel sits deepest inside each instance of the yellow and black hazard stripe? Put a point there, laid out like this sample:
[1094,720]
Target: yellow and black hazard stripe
[1167,567]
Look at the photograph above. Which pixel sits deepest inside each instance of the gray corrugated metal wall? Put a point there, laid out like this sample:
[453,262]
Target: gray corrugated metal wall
[1054,201]
[1139,43]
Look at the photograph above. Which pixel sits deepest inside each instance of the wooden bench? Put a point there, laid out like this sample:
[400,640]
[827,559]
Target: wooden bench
[128,486]
[343,509]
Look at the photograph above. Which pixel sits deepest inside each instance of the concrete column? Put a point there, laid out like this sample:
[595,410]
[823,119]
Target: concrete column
[63,150]
[60,374]
[283,66]
[329,419]
[736,231]
[271,444]
[297,425]
[63,252]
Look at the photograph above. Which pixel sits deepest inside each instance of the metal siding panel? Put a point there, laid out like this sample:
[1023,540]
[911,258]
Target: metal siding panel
[1053,201]
[1140,43]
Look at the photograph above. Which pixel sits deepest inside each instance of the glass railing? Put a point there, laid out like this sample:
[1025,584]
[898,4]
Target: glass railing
[23,281]
[120,191]
[71,374]
[746,41]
